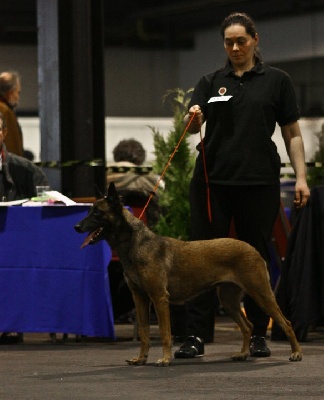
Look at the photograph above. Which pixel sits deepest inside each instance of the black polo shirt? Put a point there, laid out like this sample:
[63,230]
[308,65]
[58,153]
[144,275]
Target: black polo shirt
[241,115]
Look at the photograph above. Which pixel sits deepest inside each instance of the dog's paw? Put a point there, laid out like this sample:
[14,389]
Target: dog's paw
[163,362]
[137,361]
[239,357]
[297,356]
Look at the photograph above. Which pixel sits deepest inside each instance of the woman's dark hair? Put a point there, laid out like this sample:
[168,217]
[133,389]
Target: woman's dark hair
[129,150]
[244,20]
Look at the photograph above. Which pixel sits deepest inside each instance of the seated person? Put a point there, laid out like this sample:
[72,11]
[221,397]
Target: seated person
[133,180]
[18,180]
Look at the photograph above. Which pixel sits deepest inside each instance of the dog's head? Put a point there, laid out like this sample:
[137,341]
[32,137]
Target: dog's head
[101,218]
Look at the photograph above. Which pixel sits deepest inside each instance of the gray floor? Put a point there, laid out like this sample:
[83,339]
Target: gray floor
[94,369]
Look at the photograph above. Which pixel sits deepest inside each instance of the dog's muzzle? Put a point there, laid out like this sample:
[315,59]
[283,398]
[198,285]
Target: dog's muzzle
[78,228]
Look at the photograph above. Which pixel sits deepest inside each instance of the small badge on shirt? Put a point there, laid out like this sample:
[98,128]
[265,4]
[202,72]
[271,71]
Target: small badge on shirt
[222,91]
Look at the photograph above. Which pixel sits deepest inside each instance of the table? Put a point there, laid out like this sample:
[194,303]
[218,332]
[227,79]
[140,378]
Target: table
[47,282]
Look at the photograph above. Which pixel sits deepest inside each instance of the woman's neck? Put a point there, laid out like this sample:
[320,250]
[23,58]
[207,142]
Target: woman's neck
[240,71]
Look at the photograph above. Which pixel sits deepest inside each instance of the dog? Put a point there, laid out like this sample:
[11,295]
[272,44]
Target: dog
[163,270]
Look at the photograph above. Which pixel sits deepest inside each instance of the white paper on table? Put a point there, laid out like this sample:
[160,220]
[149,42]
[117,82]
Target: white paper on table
[57,196]
[13,202]
[53,196]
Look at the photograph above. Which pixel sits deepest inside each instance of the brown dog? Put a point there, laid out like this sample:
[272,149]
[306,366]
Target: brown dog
[162,270]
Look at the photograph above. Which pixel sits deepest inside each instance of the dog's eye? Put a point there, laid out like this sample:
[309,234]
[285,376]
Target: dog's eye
[96,212]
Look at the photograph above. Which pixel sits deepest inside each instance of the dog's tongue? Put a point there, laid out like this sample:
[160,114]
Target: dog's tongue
[90,236]
[87,240]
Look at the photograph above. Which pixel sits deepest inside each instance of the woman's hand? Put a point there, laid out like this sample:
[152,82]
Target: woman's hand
[302,193]
[196,119]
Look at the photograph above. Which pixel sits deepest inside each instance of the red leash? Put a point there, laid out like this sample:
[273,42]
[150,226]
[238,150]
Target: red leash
[206,177]
[168,164]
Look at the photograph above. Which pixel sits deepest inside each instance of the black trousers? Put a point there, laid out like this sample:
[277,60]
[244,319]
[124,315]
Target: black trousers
[254,210]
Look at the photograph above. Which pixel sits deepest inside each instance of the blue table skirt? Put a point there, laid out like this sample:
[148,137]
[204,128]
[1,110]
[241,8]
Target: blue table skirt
[47,282]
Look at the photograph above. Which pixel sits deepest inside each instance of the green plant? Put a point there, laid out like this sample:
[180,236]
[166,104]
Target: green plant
[315,174]
[174,199]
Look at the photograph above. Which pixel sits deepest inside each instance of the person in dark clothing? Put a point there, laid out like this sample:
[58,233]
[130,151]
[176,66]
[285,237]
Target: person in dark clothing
[241,104]
[18,180]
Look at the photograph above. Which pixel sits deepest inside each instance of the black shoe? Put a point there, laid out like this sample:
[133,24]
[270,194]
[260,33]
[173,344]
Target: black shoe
[191,348]
[9,338]
[258,347]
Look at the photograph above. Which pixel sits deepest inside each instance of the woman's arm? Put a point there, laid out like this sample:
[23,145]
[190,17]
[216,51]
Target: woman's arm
[295,150]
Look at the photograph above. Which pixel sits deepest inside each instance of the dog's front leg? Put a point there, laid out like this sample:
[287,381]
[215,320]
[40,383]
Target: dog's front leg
[162,310]
[142,306]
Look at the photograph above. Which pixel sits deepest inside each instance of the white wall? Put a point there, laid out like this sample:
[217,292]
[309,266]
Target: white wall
[116,129]
[139,128]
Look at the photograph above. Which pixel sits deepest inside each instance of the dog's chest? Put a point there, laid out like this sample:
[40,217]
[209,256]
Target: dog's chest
[134,272]
[132,276]
[143,275]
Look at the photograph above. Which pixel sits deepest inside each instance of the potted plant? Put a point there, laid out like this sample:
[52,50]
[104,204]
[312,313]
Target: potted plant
[174,199]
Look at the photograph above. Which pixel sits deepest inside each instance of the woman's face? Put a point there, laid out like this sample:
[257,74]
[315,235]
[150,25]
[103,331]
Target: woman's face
[239,45]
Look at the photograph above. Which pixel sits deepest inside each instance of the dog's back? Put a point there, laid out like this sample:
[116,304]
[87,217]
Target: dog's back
[197,265]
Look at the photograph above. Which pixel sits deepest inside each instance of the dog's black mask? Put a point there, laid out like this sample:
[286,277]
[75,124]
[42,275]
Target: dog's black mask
[98,221]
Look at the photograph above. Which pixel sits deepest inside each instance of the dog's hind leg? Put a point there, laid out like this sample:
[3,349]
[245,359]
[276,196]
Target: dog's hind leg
[257,285]
[230,297]
[267,301]
[142,306]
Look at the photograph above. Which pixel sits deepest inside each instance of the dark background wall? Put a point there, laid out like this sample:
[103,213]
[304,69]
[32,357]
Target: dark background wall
[136,79]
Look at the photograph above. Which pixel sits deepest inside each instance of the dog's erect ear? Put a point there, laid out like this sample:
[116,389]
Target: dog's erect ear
[112,196]
[111,191]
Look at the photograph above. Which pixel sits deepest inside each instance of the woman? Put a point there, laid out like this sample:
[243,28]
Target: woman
[241,104]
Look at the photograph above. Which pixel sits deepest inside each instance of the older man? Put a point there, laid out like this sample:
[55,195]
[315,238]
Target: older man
[18,176]
[10,88]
